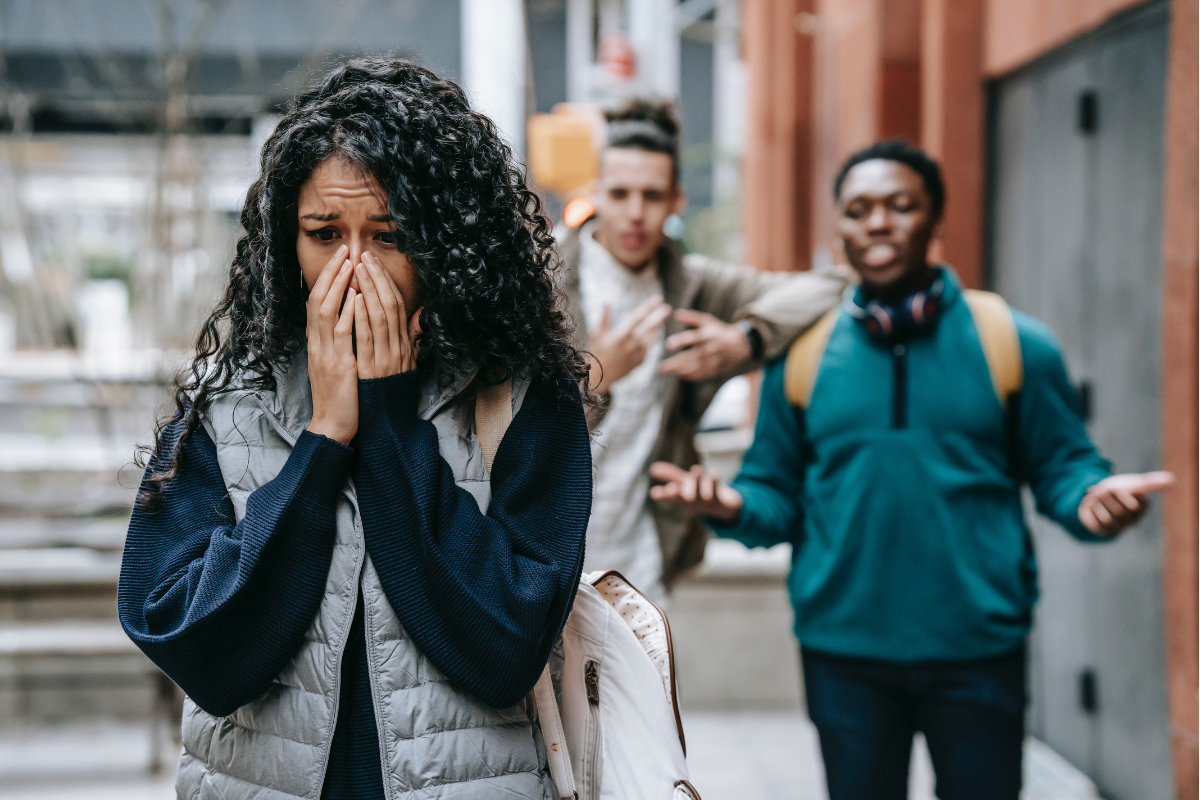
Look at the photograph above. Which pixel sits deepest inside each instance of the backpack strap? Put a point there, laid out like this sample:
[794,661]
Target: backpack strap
[803,359]
[1000,342]
[493,414]
[554,737]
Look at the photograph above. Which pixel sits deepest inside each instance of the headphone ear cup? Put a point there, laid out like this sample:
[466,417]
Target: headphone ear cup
[880,321]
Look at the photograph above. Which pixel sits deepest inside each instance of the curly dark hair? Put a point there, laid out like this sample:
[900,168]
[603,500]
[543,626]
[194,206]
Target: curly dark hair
[482,249]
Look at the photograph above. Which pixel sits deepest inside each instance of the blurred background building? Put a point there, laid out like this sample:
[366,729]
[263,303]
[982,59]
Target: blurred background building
[129,131]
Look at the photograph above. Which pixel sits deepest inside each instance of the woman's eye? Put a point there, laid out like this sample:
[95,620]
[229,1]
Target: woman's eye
[323,234]
[387,237]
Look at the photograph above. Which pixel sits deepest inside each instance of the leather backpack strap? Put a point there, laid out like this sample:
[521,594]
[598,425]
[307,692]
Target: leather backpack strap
[1000,342]
[554,737]
[804,358]
[493,414]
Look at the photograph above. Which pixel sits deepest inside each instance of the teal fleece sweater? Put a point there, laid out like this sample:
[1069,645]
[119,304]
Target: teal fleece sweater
[896,492]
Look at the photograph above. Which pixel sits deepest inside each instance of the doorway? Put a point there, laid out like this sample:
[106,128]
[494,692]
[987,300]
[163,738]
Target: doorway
[1075,238]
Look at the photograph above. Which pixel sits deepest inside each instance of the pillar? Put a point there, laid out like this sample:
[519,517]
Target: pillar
[776,209]
[952,124]
[848,39]
[1180,402]
[493,63]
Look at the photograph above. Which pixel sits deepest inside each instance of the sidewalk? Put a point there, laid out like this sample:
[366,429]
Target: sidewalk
[733,756]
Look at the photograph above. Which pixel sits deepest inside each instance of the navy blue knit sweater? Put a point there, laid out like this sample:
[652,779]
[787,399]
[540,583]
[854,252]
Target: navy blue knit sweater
[221,606]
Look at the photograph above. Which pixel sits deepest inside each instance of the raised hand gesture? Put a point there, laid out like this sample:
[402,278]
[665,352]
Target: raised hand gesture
[1119,501]
[707,349]
[696,490]
[616,353]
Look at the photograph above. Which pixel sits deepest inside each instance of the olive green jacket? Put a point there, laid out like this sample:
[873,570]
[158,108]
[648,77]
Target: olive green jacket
[780,305]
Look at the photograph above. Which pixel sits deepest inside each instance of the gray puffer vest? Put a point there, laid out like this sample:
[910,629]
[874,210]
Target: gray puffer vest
[434,741]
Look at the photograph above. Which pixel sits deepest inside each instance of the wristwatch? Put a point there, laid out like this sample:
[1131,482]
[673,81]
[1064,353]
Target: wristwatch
[755,338]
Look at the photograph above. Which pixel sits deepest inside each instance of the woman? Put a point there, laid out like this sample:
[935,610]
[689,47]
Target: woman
[319,558]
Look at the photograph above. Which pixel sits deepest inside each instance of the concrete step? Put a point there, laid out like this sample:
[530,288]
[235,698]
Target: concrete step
[731,625]
[104,534]
[94,760]
[63,655]
[49,489]
[72,670]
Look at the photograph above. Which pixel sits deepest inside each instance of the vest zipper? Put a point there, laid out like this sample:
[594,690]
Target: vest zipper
[335,708]
[591,763]
[899,387]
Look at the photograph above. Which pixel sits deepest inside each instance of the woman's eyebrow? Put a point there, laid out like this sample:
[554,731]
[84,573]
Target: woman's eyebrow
[380,218]
[330,217]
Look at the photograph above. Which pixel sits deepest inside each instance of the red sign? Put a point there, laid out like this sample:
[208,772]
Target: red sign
[617,56]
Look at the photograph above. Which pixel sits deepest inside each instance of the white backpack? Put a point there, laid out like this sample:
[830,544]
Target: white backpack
[618,733]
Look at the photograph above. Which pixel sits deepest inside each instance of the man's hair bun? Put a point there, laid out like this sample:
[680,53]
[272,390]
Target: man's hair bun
[660,113]
[644,123]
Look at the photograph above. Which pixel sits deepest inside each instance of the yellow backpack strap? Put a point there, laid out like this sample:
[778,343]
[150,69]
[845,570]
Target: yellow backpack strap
[803,359]
[1001,345]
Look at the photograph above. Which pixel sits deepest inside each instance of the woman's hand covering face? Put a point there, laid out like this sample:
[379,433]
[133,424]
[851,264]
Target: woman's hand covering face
[361,287]
[332,369]
[382,327]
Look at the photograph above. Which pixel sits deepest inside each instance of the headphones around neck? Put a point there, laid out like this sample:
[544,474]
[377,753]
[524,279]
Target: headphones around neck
[885,321]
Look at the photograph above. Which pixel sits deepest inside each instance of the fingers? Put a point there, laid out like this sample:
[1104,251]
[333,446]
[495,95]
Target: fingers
[689,487]
[344,329]
[1120,500]
[688,365]
[1088,518]
[1152,482]
[364,337]
[667,493]
[692,318]
[1116,510]
[1128,500]
[700,491]
[389,293]
[681,486]
[684,339]
[666,472]
[1097,517]
[640,314]
[384,321]
[1102,516]
[648,330]
[605,320]
[330,309]
[321,287]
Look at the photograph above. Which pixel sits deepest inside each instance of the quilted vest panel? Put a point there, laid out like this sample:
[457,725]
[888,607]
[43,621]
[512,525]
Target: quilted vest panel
[435,741]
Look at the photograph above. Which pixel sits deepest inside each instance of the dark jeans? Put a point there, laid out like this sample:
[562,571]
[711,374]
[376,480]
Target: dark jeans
[866,712]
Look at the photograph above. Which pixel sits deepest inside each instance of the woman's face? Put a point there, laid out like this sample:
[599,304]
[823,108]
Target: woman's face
[342,205]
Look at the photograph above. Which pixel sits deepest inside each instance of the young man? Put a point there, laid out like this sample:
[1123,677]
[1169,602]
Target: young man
[894,469]
[625,282]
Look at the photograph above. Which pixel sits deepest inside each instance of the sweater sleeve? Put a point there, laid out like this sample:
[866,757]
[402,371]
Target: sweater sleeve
[484,596]
[781,305]
[221,606]
[772,475]
[1058,458]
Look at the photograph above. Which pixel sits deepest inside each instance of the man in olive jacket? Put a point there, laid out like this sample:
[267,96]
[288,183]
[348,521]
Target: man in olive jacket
[626,285]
